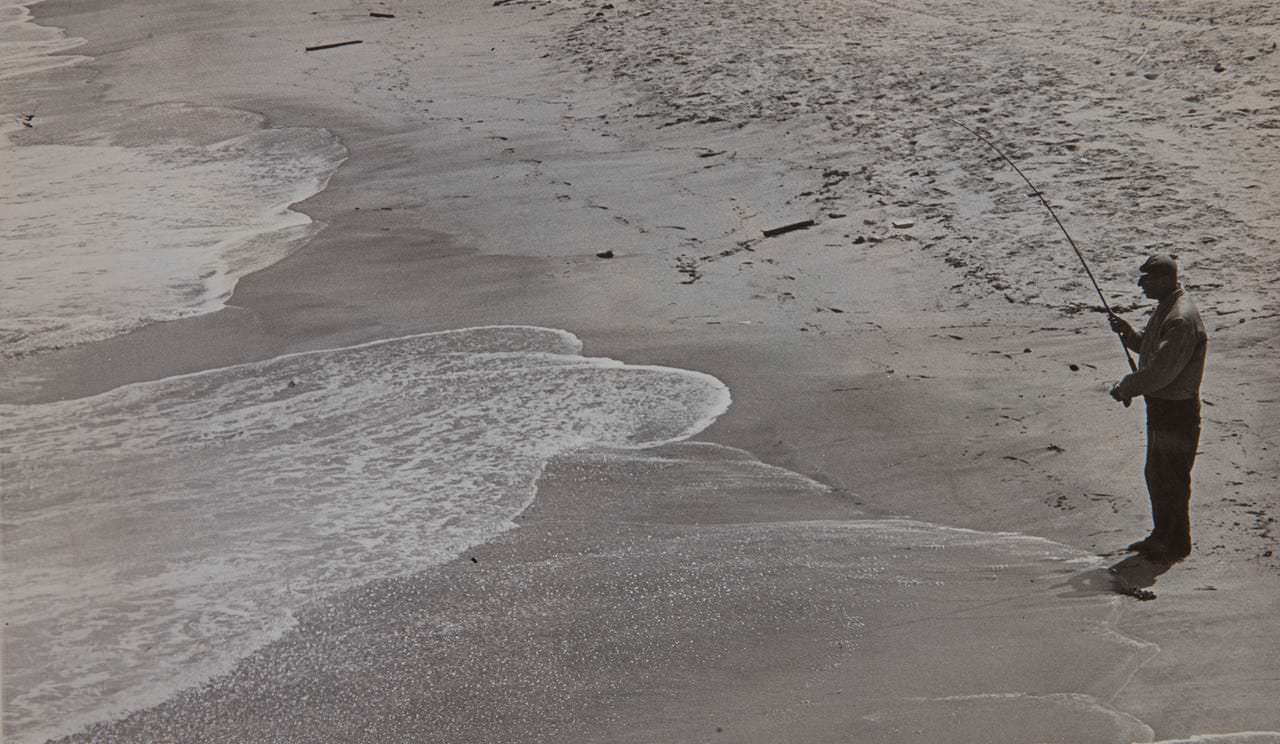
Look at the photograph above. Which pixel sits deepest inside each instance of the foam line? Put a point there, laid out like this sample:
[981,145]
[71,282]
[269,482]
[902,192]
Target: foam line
[178,523]
[41,47]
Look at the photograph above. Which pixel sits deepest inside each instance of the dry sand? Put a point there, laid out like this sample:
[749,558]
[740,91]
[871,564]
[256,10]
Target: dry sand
[953,371]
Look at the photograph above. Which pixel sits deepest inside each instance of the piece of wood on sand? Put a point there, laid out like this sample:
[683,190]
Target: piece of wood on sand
[801,225]
[318,47]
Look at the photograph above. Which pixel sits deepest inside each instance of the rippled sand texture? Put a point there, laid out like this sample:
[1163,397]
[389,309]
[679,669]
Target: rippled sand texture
[1151,127]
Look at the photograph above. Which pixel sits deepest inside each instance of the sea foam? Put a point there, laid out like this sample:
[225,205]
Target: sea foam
[99,238]
[26,47]
[157,533]
[137,213]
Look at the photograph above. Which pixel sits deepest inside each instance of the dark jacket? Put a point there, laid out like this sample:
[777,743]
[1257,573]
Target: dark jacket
[1171,351]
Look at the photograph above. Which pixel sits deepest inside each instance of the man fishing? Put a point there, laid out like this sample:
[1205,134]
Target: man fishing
[1171,352]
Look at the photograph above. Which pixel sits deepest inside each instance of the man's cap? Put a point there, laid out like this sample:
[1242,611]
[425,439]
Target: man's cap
[1161,263]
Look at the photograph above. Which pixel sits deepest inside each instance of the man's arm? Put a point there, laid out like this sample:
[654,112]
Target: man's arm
[1178,341]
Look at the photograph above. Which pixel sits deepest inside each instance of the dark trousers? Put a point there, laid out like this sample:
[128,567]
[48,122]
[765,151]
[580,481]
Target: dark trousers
[1173,432]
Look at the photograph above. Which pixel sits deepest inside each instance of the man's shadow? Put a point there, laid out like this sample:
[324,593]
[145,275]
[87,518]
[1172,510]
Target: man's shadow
[1133,577]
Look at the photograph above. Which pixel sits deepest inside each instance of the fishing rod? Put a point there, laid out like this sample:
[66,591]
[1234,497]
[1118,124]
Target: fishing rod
[1128,357]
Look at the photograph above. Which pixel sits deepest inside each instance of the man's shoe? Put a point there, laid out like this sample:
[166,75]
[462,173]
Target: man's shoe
[1147,543]
[1165,554]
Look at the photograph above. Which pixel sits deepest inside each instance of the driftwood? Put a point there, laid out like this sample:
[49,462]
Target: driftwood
[802,225]
[382,15]
[331,46]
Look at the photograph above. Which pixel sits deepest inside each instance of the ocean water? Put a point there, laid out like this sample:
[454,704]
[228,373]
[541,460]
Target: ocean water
[99,239]
[146,213]
[156,534]
[26,47]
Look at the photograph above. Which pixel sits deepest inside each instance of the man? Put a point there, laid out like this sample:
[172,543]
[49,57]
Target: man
[1171,351]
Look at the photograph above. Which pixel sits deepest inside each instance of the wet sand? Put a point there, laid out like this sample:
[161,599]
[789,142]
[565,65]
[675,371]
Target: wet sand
[949,371]
[690,593]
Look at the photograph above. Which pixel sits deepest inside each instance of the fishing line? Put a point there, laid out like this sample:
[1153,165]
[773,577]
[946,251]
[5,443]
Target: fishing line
[1128,357]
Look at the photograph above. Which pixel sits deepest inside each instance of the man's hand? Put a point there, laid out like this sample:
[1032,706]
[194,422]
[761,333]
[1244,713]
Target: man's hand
[1119,395]
[1121,326]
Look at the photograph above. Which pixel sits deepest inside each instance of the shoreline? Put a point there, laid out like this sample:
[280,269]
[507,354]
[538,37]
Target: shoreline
[794,388]
[211,184]
[765,616]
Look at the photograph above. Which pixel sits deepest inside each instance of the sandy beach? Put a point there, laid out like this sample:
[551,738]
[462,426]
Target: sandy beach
[906,527]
